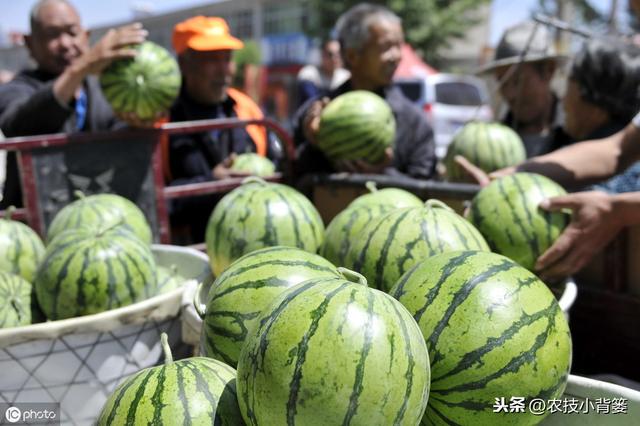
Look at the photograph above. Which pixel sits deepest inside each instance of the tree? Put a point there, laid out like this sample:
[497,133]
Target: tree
[429,25]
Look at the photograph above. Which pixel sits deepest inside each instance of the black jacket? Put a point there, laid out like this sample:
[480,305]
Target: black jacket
[192,157]
[414,148]
[28,107]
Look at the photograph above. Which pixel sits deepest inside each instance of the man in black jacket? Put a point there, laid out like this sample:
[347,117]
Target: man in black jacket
[370,39]
[60,94]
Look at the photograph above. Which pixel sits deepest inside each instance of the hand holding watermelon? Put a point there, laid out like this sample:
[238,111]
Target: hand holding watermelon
[225,169]
[311,123]
[362,166]
[595,222]
[115,44]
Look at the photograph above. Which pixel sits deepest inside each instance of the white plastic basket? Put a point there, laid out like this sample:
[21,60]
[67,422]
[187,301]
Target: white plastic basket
[78,362]
[589,392]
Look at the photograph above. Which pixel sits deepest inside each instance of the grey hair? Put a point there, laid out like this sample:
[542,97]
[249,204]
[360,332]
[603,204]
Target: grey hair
[608,75]
[352,28]
[34,15]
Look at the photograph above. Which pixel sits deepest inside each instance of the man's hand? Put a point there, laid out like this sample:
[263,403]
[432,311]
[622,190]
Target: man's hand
[311,121]
[480,176]
[115,44]
[594,224]
[361,166]
[223,170]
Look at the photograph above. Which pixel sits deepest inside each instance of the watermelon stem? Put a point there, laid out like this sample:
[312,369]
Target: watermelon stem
[371,186]
[168,356]
[197,303]
[79,194]
[254,179]
[9,212]
[352,276]
[437,204]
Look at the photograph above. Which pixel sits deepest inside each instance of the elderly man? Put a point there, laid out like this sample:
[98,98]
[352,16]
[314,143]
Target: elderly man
[524,64]
[204,46]
[60,94]
[316,81]
[371,39]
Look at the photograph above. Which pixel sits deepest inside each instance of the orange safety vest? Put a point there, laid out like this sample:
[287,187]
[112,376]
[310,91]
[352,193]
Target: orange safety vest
[245,109]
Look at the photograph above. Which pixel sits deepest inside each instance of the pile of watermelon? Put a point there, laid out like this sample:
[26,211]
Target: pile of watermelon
[396,313]
[426,327]
[97,257]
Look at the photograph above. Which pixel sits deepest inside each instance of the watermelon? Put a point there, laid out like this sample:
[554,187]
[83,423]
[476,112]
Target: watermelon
[346,226]
[100,210]
[332,351]
[15,300]
[86,271]
[395,197]
[247,287]
[490,146]
[21,249]
[506,212]
[253,163]
[168,279]
[390,245]
[345,229]
[198,391]
[258,214]
[356,125]
[144,86]
[493,330]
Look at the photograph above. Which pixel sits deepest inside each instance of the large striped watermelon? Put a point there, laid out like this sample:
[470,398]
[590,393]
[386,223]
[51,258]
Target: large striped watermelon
[144,86]
[346,228]
[247,287]
[15,300]
[86,271]
[259,214]
[191,391]
[490,146]
[253,163]
[390,245]
[493,330]
[395,197]
[21,249]
[356,125]
[331,351]
[100,210]
[506,212]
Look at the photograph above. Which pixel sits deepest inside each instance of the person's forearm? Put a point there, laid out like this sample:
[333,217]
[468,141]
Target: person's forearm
[588,162]
[66,85]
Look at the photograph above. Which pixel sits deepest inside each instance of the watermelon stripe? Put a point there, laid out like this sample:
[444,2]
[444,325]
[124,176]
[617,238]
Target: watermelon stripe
[447,271]
[182,390]
[131,413]
[360,367]
[530,240]
[251,269]
[492,343]
[301,352]
[294,220]
[202,386]
[314,232]
[380,264]
[459,298]
[441,417]
[156,398]
[80,299]
[515,363]
[411,365]
[121,394]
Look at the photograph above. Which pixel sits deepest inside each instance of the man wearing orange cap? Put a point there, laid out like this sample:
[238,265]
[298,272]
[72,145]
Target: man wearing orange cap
[204,46]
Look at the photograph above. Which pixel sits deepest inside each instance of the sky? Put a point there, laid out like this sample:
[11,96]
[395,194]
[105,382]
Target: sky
[14,16]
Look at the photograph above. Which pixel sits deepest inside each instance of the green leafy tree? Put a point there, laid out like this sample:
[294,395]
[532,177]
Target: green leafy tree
[429,25]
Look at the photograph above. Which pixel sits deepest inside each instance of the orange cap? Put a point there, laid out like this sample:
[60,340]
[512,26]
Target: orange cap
[203,33]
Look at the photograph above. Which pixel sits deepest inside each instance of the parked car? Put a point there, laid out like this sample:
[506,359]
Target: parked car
[449,100]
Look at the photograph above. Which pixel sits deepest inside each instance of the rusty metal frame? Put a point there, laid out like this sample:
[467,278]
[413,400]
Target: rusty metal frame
[24,147]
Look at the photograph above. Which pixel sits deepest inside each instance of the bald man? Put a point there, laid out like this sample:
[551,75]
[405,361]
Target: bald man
[61,94]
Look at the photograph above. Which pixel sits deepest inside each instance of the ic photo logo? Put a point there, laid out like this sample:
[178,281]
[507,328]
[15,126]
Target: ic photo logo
[13,414]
